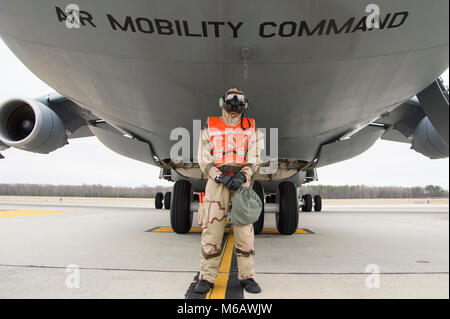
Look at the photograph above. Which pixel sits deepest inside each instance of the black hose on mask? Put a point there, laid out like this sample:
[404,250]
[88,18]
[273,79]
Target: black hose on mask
[245,114]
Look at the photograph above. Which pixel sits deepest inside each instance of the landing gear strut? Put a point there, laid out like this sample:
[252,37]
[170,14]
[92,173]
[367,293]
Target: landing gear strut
[180,207]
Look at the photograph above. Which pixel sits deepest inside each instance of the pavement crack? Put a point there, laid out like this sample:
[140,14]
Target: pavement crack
[196,271]
[354,273]
[99,268]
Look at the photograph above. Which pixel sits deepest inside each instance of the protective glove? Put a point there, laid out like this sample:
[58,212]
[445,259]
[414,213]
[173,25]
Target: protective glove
[223,178]
[236,181]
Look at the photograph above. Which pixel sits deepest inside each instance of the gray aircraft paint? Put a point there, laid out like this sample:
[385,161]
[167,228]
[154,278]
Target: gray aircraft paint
[314,88]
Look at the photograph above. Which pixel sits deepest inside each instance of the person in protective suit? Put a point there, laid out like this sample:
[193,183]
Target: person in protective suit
[229,155]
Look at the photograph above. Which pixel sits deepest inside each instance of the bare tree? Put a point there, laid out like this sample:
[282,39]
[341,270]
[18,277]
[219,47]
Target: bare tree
[326,191]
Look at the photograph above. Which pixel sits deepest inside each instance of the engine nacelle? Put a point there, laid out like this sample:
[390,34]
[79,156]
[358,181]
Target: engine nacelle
[427,141]
[31,126]
[3,146]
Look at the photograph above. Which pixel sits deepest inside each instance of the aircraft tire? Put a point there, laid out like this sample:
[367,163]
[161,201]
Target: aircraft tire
[288,216]
[258,226]
[307,203]
[180,207]
[159,200]
[167,200]
[196,198]
[273,198]
[317,203]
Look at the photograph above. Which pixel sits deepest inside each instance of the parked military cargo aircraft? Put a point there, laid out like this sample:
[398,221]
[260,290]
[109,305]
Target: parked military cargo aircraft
[129,72]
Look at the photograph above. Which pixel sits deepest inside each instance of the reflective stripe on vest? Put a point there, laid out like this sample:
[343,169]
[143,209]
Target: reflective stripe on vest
[229,144]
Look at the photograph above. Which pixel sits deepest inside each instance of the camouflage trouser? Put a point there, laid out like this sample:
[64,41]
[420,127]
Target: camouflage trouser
[212,218]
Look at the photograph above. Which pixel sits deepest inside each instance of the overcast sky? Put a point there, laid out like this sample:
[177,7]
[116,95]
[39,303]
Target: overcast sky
[87,161]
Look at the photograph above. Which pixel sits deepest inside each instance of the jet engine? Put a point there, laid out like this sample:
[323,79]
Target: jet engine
[31,126]
[427,141]
[3,146]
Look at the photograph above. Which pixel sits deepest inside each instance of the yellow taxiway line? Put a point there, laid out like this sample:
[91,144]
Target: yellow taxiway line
[167,229]
[26,212]
[220,286]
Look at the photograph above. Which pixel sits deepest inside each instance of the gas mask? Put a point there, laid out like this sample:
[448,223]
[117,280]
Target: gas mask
[234,105]
[234,101]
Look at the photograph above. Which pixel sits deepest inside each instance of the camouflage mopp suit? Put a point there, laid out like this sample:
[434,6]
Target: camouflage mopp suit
[213,212]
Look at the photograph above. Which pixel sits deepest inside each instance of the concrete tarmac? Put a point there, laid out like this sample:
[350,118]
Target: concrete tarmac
[119,250]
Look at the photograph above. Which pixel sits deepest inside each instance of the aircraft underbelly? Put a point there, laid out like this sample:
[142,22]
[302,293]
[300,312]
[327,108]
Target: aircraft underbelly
[309,68]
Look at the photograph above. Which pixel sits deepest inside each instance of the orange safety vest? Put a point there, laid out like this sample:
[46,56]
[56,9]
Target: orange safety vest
[229,144]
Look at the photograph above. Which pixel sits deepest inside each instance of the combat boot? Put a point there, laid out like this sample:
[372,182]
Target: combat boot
[203,286]
[250,285]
